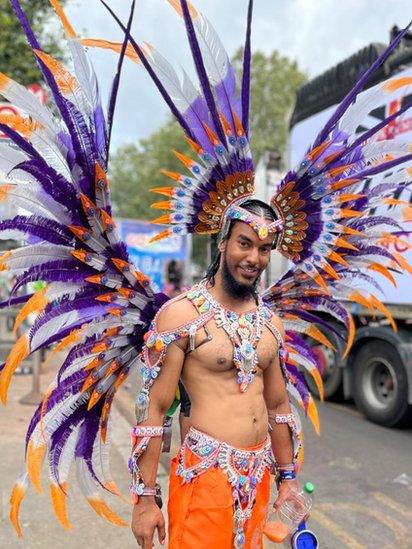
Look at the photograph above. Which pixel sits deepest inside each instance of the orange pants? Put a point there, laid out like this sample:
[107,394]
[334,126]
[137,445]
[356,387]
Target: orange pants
[201,511]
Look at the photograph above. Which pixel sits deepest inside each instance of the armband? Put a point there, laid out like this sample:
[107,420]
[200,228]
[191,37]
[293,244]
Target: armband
[140,437]
[291,421]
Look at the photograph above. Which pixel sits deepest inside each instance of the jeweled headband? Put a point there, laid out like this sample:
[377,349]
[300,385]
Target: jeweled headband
[262,227]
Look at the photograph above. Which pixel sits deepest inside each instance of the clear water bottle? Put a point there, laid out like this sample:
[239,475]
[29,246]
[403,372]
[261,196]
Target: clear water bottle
[291,513]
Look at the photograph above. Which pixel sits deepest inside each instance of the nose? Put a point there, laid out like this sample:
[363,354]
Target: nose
[253,256]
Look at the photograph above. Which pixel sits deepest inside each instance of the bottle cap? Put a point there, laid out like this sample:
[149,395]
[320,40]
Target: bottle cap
[309,488]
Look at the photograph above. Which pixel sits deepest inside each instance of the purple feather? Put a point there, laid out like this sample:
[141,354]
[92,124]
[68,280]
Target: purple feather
[25,25]
[87,437]
[245,92]
[296,378]
[60,437]
[53,183]
[80,304]
[15,301]
[116,80]
[69,387]
[153,75]
[201,71]
[41,227]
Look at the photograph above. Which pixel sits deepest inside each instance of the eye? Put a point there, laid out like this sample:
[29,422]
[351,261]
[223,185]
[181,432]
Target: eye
[243,244]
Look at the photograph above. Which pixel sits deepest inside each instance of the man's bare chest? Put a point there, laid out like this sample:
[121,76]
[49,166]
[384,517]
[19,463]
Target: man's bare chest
[214,349]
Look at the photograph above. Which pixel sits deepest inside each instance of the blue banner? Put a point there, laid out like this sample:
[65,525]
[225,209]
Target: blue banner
[152,259]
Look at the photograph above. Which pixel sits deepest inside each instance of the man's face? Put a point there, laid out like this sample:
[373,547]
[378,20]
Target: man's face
[244,258]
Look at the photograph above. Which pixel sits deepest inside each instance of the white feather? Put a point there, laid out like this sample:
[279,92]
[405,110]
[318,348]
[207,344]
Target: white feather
[214,54]
[183,93]
[54,326]
[19,96]
[84,71]
[25,257]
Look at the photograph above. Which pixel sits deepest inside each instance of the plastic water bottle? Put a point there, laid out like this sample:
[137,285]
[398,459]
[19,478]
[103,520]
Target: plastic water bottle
[291,513]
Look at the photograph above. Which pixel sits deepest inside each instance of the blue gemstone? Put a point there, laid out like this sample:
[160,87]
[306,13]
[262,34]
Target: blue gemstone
[178,217]
[232,140]
[196,169]
[328,237]
[188,181]
[243,141]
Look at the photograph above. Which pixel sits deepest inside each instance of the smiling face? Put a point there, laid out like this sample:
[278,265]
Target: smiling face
[244,258]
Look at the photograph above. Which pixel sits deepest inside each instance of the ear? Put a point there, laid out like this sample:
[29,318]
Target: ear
[222,245]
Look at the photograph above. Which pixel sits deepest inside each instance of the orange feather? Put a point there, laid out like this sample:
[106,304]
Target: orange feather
[18,353]
[58,498]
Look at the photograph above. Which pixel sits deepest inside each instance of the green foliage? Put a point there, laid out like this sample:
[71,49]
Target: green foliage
[274,82]
[137,168]
[16,58]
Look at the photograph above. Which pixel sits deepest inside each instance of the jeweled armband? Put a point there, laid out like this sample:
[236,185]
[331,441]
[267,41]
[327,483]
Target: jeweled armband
[140,439]
[291,421]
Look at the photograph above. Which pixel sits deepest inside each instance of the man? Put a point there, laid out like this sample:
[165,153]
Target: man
[201,511]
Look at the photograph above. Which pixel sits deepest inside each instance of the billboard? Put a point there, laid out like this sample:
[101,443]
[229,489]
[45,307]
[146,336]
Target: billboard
[152,259]
[303,134]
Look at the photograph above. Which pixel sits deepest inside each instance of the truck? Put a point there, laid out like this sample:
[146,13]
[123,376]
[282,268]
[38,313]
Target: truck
[377,372]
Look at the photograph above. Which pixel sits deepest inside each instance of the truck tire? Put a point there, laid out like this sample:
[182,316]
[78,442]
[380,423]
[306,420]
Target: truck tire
[330,366]
[380,384]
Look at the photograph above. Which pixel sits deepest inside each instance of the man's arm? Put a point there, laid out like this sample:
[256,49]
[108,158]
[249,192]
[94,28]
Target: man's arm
[277,402]
[146,514]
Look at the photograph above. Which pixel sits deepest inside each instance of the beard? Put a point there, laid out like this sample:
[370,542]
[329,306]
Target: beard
[235,289]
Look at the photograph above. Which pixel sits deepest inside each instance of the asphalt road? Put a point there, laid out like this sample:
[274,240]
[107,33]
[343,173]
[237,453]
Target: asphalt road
[363,481]
[356,466]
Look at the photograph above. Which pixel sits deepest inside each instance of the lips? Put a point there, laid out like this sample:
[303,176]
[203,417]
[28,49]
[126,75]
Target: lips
[249,272]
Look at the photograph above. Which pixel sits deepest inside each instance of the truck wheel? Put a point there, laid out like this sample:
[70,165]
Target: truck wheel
[330,368]
[380,384]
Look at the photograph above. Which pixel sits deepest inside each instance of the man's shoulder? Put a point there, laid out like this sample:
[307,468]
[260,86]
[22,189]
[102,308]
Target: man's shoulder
[176,312]
[276,322]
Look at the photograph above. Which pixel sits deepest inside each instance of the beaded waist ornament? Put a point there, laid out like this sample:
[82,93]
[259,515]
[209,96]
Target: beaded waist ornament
[244,470]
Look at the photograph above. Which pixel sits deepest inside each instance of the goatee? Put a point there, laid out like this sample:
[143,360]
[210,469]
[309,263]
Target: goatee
[235,289]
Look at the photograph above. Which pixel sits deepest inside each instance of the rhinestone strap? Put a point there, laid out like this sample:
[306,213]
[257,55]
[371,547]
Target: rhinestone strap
[140,439]
[290,420]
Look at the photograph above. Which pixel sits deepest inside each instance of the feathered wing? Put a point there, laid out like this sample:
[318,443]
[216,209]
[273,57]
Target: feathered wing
[95,303]
[334,234]
[211,116]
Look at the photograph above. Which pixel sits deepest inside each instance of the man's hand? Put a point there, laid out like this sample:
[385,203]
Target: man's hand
[286,488]
[145,519]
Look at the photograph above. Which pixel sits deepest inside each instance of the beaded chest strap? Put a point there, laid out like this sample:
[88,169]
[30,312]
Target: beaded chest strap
[243,329]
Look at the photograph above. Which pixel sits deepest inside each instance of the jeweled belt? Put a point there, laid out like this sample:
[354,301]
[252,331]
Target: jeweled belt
[244,470]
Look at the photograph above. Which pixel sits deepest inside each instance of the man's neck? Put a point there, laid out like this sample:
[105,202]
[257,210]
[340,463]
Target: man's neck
[233,303]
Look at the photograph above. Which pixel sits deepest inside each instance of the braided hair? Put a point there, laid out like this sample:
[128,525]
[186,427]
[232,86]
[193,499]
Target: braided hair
[254,206]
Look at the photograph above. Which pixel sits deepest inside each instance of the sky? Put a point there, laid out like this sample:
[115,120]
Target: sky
[316,33]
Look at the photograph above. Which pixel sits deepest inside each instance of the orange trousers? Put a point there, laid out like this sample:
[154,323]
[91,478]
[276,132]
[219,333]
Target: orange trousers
[201,512]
